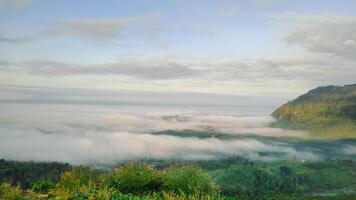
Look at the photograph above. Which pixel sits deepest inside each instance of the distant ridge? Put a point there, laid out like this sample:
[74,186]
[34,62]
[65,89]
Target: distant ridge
[328,112]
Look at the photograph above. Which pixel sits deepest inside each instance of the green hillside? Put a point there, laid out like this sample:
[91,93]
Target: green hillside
[327,112]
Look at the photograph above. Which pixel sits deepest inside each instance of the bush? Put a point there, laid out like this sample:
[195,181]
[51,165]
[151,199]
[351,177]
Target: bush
[189,180]
[42,186]
[73,184]
[9,193]
[134,178]
[75,178]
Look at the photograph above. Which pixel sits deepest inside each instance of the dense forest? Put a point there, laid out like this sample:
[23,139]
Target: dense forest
[327,112]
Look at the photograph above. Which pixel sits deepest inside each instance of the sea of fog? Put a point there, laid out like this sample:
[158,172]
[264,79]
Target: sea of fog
[86,127]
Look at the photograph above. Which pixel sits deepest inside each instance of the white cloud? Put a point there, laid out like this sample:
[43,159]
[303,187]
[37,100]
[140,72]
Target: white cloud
[322,34]
[316,69]
[349,150]
[103,147]
[91,28]
[95,29]
[165,68]
[151,69]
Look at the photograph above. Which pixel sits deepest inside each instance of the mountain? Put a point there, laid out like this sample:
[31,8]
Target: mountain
[327,112]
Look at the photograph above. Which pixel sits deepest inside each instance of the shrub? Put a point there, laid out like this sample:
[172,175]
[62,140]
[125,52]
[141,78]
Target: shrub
[189,180]
[42,186]
[73,184]
[9,193]
[134,178]
[75,178]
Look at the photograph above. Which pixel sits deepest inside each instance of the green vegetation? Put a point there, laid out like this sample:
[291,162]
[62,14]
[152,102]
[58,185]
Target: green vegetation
[9,192]
[327,112]
[189,180]
[42,186]
[234,178]
[135,179]
[131,181]
[287,177]
[24,173]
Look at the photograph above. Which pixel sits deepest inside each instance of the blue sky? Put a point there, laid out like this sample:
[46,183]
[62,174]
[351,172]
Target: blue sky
[251,47]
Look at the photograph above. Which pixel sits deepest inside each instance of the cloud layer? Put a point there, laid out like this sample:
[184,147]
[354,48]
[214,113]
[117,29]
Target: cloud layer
[67,130]
[137,112]
[326,34]
[313,68]
[94,29]
[109,148]
[160,69]
[84,127]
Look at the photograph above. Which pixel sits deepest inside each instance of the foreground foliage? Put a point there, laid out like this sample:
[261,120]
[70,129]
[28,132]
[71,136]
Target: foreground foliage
[132,181]
[237,178]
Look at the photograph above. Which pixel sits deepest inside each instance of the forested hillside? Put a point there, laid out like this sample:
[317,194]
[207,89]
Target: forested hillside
[328,112]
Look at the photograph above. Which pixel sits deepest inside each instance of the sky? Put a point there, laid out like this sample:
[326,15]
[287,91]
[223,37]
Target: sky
[259,48]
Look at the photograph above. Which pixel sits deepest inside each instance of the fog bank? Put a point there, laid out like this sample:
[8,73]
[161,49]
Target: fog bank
[80,128]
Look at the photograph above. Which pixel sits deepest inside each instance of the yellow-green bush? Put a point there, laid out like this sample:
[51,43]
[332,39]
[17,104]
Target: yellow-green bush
[72,183]
[134,178]
[9,192]
[189,180]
